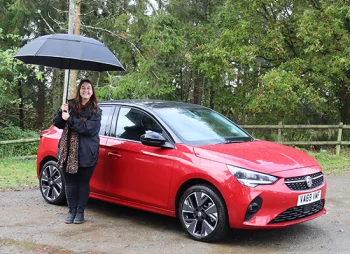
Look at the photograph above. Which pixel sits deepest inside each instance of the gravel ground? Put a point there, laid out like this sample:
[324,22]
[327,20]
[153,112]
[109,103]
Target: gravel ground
[29,225]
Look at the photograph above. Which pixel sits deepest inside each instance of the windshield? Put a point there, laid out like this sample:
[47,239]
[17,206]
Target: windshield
[202,126]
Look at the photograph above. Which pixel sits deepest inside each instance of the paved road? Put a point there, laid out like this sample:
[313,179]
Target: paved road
[29,225]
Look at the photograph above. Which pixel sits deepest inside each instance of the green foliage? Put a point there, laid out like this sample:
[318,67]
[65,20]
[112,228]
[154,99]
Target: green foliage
[137,86]
[14,133]
[282,55]
[8,78]
[275,98]
[161,45]
[10,150]
[14,76]
[260,61]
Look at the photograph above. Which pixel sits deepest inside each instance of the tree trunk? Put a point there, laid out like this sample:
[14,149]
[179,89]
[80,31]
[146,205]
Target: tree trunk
[74,73]
[74,12]
[57,89]
[40,106]
[196,90]
[344,97]
[181,84]
[211,100]
[125,5]
[21,104]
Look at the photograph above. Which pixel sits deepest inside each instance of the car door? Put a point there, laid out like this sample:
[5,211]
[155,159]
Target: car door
[136,172]
[98,180]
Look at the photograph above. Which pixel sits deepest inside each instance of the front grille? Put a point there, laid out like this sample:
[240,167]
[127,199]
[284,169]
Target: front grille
[299,212]
[299,183]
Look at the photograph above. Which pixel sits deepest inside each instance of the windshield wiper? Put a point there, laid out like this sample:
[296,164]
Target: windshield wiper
[238,140]
[233,141]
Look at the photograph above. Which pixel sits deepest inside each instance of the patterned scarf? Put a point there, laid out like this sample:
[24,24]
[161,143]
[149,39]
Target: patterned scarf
[68,152]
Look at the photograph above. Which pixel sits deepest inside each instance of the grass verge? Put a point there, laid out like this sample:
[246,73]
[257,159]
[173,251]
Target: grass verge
[16,173]
[331,163]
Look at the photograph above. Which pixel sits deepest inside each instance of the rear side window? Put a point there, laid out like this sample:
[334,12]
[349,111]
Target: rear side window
[105,121]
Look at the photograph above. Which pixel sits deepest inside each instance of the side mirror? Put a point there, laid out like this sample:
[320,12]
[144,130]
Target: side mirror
[155,139]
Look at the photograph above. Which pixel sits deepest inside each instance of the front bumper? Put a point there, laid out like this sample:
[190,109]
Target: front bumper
[278,207]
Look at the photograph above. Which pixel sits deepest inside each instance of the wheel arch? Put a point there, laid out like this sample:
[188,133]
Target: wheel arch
[43,161]
[191,182]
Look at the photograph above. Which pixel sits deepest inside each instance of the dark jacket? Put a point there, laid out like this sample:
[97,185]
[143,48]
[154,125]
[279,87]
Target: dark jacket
[89,140]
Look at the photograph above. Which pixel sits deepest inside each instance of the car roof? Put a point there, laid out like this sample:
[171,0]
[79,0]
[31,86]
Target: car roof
[153,104]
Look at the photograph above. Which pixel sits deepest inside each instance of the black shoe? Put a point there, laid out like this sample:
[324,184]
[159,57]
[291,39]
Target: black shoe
[71,215]
[79,217]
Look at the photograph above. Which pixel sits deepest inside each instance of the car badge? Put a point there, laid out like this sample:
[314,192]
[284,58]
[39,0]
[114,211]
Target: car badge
[308,181]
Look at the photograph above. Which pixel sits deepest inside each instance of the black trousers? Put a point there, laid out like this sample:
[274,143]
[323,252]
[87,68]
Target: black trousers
[78,187]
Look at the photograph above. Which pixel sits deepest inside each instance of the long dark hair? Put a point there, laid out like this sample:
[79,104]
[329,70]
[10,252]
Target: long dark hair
[92,101]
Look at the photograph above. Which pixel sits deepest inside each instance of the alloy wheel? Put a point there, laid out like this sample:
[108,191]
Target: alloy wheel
[200,214]
[51,182]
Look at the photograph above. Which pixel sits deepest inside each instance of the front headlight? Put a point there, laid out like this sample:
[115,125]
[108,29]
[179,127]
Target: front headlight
[250,178]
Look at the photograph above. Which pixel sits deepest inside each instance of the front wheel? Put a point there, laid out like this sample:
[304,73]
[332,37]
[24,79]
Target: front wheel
[52,185]
[203,214]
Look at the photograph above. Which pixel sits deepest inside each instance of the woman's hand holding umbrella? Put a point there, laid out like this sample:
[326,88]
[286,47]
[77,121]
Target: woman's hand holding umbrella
[65,114]
[64,107]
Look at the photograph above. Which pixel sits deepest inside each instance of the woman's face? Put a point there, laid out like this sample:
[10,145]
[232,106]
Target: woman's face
[86,91]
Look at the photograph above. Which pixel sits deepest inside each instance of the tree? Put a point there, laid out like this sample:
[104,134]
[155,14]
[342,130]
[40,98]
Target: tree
[259,61]
[13,76]
[148,45]
[27,19]
[296,49]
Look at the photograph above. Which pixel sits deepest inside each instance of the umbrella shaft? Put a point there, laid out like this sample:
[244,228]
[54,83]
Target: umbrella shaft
[67,86]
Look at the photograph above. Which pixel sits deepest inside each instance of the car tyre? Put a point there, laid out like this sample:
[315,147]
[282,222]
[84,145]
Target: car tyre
[202,213]
[52,184]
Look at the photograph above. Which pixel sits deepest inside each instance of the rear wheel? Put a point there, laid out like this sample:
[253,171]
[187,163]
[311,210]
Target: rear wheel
[202,213]
[52,185]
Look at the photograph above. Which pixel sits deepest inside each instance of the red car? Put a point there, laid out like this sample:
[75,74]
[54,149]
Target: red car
[190,162]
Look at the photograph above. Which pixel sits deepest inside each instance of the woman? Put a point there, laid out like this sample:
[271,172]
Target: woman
[78,150]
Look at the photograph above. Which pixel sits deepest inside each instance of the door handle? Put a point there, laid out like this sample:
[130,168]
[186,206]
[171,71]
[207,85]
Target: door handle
[114,154]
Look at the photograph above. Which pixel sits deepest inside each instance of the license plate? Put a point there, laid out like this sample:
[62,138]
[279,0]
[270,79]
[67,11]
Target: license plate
[309,198]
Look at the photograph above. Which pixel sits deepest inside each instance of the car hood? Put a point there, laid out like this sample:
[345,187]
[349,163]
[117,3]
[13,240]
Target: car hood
[262,156]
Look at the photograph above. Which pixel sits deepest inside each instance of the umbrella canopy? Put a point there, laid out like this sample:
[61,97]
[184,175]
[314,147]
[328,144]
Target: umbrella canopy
[69,51]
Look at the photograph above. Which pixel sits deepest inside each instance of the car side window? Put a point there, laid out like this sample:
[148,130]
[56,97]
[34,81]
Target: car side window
[133,123]
[106,113]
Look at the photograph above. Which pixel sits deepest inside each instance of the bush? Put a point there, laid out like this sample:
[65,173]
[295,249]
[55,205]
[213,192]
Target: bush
[14,133]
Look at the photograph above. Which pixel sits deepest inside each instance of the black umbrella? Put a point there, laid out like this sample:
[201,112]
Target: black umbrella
[69,51]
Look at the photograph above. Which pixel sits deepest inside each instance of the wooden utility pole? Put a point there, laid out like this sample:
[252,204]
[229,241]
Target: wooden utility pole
[74,73]
[73,28]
